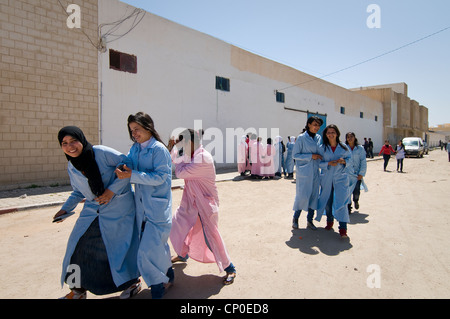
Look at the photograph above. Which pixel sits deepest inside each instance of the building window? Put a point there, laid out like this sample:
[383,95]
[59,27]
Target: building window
[361,115]
[122,62]
[342,110]
[376,118]
[222,84]
[280,97]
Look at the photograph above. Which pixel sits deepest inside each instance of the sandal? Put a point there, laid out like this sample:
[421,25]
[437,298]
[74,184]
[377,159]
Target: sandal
[73,294]
[229,278]
[178,259]
[131,291]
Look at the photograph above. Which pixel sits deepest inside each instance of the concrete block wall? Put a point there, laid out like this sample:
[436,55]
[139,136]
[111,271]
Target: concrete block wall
[49,79]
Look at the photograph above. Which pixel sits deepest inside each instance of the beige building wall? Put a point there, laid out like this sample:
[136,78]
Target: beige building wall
[49,79]
[402,116]
[353,103]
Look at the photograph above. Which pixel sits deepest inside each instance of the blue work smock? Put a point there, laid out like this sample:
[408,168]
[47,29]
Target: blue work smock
[116,219]
[152,179]
[358,167]
[307,171]
[289,162]
[336,177]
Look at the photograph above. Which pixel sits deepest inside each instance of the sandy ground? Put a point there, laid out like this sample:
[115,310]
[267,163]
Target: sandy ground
[398,247]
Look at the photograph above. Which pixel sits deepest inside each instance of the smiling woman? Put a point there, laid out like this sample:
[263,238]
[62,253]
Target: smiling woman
[71,146]
[104,242]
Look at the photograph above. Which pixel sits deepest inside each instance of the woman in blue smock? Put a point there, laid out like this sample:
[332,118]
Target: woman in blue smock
[102,248]
[289,163]
[334,183]
[307,158]
[357,169]
[149,167]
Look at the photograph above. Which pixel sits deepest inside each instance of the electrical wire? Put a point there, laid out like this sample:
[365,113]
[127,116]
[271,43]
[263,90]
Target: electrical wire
[96,45]
[116,25]
[100,44]
[368,60]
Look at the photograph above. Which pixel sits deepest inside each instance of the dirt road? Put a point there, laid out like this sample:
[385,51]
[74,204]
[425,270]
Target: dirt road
[398,247]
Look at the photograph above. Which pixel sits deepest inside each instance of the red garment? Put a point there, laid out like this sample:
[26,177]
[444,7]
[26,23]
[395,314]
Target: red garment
[386,150]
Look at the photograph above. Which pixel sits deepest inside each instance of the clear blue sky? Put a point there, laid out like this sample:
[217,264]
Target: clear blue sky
[320,37]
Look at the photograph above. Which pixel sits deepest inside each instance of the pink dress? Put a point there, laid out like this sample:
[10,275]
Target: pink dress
[242,156]
[268,166]
[197,216]
[256,153]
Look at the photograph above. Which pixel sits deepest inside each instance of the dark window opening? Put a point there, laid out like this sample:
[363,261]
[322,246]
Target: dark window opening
[280,97]
[222,84]
[342,110]
[361,115]
[376,118]
[122,62]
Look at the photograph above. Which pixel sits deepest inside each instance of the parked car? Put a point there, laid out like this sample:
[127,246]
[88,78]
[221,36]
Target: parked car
[413,146]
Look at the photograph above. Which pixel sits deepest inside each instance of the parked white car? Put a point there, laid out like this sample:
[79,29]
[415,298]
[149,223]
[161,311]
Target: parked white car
[413,146]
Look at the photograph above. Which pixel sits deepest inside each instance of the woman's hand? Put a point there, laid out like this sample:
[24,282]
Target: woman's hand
[60,213]
[332,163]
[316,156]
[123,172]
[172,142]
[105,197]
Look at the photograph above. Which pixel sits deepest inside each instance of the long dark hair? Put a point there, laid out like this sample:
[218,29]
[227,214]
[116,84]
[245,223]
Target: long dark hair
[144,120]
[189,135]
[351,133]
[193,136]
[326,142]
[312,119]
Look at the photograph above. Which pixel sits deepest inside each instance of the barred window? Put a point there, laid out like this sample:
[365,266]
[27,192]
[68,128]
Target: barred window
[122,62]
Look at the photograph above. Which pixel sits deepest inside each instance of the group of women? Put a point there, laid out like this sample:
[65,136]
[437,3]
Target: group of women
[265,161]
[121,234]
[328,172]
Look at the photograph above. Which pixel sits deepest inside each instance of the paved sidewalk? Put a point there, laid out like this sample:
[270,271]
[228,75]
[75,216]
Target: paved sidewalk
[30,198]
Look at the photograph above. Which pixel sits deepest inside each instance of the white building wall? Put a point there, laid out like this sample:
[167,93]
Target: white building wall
[175,84]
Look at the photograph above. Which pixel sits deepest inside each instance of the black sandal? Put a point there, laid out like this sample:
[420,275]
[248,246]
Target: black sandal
[229,278]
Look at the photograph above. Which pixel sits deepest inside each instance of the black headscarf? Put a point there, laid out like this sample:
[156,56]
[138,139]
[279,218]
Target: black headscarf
[85,163]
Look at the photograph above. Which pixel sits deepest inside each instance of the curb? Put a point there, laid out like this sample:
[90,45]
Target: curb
[10,210]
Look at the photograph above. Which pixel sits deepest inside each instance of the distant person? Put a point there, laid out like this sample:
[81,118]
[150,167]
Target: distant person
[289,160]
[279,156]
[268,163]
[242,156]
[370,148]
[357,169]
[366,146]
[400,155]
[386,150]
[256,153]
[448,150]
